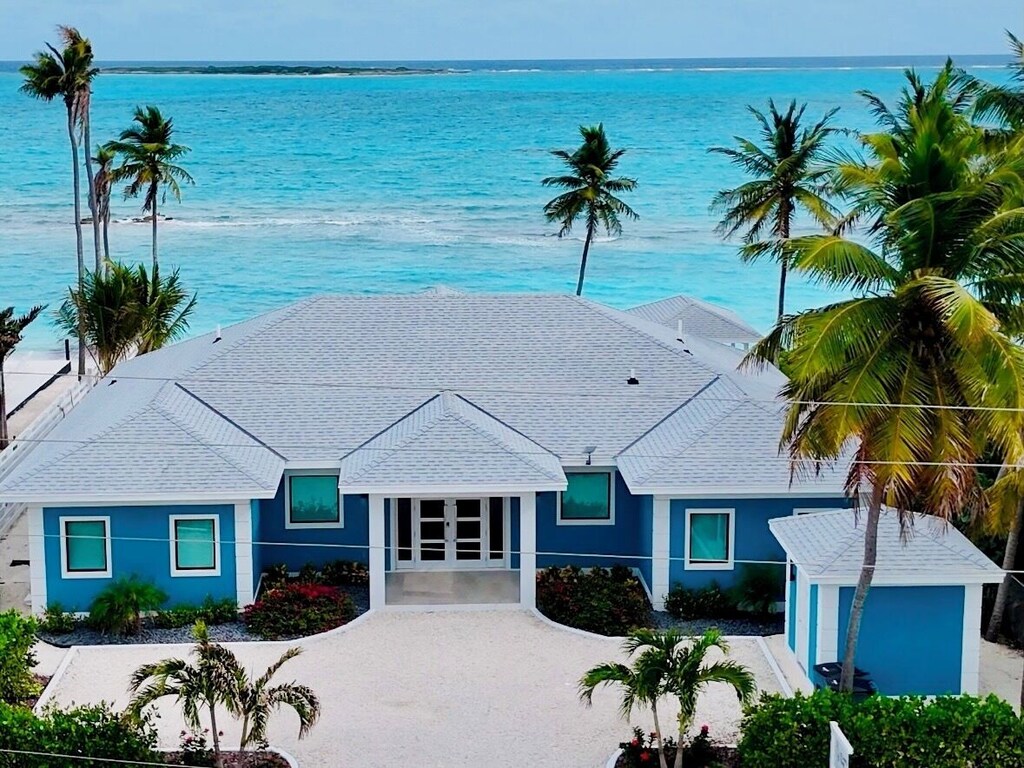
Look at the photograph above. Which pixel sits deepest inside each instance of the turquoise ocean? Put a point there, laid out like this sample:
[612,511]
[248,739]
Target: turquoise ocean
[373,184]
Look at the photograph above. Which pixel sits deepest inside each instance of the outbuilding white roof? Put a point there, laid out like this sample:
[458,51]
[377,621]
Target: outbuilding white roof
[326,382]
[829,547]
[700,318]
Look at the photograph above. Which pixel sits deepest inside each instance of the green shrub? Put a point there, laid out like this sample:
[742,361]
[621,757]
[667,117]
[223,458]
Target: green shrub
[759,588]
[886,732]
[345,573]
[608,601]
[118,609]
[211,612]
[710,602]
[91,731]
[275,576]
[309,574]
[17,636]
[295,610]
[57,621]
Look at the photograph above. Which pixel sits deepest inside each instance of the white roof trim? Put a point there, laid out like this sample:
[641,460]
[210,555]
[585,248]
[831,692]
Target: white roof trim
[95,499]
[717,492]
[419,489]
[945,579]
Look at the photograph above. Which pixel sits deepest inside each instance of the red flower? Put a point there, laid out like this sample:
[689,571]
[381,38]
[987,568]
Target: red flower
[704,729]
[634,743]
[645,756]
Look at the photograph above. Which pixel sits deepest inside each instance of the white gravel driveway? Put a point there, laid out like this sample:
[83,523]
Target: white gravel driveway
[445,689]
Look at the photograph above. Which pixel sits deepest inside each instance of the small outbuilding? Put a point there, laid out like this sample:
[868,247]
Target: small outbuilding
[921,628]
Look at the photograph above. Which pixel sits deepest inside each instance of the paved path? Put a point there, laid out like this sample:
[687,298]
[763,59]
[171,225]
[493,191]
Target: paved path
[445,689]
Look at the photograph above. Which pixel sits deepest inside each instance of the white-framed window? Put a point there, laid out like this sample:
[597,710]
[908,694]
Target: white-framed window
[195,545]
[710,539]
[589,498]
[312,500]
[85,547]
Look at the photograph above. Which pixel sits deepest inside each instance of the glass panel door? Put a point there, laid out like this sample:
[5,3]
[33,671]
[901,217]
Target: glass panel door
[433,531]
[469,530]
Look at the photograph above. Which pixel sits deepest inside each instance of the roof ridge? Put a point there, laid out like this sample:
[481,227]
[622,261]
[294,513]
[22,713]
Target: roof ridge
[214,449]
[495,439]
[610,314]
[285,313]
[229,420]
[671,413]
[393,424]
[721,313]
[844,544]
[948,526]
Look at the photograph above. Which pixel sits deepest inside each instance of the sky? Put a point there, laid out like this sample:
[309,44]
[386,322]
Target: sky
[352,30]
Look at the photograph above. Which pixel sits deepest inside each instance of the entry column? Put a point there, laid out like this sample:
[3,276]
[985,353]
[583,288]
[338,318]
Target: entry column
[528,549]
[377,575]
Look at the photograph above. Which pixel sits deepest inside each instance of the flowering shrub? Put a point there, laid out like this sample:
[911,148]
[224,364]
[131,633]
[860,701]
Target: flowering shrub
[345,572]
[710,602]
[642,751]
[608,601]
[294,610]
[195,750]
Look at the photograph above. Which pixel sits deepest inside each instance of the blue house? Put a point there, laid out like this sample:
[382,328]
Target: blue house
[921,628]
[475,436]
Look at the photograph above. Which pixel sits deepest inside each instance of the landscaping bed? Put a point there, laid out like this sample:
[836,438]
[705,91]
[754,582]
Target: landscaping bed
[256,759]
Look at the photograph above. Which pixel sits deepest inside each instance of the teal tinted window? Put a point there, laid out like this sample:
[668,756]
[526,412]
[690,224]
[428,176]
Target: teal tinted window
[709,538]
[587,497]
[313,499]
[86,542]
[195,546]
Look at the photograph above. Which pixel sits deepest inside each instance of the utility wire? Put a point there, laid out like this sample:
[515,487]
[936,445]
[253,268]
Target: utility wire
[111,760]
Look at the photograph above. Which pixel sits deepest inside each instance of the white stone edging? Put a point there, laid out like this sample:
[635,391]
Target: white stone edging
[769,657]
[614,759]
[47,694]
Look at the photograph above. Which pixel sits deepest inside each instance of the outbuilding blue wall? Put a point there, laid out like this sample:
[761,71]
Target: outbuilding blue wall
[812,629]
[277,542]
[754,541]
[791,610]
[139,546]
[621,539]
[911,638]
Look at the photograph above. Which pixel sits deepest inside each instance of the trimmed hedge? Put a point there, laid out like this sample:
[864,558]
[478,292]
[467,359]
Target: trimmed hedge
[17,636]
[92,731]
[902,732]
[608,601]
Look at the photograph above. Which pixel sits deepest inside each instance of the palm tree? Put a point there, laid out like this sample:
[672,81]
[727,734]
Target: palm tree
[1006,507]
[124,311]
[218,679]
[255,700]
[205,685]
[11,327]
[642,683]
[916,375]
[1006,102]
[102,184]
[67,74]
[690,673]
[590,191]
[148,156]
[788,177]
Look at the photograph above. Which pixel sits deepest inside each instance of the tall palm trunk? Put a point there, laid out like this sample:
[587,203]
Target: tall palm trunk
[93,206]
[76,180]
[106,242]
[155,190]
[995,623]
[684,723]
[786,215]
[860,595]
[662,760]
[5,437]
[215,736]
[591,223]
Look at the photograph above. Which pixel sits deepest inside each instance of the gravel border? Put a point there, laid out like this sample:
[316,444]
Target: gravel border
[233,632]
[744,625]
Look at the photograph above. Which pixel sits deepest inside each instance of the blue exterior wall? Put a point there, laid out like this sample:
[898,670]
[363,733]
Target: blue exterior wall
[622,539]
[354,536]
[139,546]
[812,628]
[754,541]
[911,638]
[645,543]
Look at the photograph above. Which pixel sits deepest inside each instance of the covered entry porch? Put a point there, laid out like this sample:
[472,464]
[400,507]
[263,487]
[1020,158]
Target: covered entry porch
[452,497]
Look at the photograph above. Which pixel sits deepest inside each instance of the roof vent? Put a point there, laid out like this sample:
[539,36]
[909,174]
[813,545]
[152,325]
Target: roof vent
[632,380]
[679,335]
[217,337]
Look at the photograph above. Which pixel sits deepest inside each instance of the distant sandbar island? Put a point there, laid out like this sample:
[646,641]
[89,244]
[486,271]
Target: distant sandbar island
[265,69]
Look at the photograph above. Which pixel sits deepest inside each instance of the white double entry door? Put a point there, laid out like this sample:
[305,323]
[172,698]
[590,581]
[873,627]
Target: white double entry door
[451,533]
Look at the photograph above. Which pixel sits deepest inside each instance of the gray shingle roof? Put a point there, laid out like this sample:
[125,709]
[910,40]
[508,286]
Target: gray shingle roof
[448,440]
[313,381]
[700,318]
[830,545]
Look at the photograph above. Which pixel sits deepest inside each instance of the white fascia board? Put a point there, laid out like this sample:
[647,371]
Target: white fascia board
[445,489]
[148,500]
[944,579]
[326,466]
[718,492]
